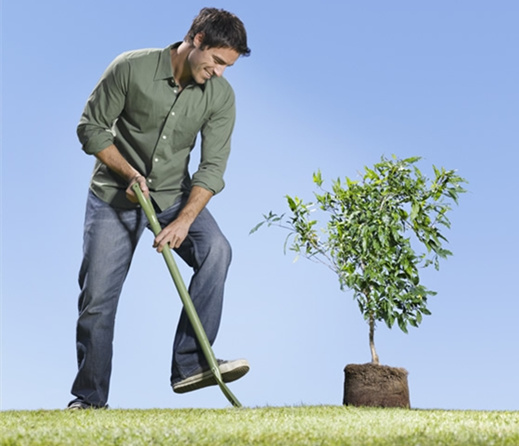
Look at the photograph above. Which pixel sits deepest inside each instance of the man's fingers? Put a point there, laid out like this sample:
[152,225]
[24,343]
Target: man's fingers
[144,186]
[130,194]
[161,246]
[163,240]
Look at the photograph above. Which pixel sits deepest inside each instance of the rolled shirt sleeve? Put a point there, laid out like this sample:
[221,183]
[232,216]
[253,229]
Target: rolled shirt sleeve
[105,104]
[216,145]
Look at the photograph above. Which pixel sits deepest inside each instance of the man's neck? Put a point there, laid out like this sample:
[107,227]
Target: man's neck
[181,71]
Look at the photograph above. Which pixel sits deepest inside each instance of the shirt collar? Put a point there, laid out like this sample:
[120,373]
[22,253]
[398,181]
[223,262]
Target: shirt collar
[164,68]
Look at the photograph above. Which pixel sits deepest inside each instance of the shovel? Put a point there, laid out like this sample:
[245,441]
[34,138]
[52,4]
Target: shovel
[186,299]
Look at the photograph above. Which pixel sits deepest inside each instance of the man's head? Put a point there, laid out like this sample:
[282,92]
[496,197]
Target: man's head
[219,29]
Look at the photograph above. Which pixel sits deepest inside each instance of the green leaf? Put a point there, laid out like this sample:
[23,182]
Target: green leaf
[371,174]
[291,203]
[415,209]
[255,228]
[350,183]
[412,160]
[318,178]
[402,325]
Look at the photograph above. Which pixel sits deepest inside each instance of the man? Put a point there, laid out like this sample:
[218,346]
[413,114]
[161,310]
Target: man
[141,122]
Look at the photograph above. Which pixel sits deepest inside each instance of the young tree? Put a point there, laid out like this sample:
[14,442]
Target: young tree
[371,228]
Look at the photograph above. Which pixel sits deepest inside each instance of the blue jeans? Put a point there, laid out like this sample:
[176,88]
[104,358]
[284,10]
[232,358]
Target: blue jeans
[110,238]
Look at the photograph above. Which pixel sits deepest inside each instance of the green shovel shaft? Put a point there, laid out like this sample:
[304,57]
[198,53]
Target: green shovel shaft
[185,297]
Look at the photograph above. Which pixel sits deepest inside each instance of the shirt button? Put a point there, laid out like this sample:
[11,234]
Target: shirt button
[149,180]
[156,160]
[164,136]
[172,113]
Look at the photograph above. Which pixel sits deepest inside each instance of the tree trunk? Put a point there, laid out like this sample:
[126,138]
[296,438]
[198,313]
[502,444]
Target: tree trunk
[374,356]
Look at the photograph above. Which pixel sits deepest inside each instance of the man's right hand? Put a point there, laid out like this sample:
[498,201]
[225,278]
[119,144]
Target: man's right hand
[130,194]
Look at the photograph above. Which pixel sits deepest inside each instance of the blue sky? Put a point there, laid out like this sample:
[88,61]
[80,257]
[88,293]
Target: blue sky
[329,85]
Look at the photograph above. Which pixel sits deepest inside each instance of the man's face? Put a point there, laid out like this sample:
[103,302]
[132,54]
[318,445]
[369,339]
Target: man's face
[209,62]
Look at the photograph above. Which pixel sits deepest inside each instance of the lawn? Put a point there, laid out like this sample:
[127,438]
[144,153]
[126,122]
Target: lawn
[313,425]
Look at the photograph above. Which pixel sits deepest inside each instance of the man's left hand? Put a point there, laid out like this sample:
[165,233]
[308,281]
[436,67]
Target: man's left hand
[173,234]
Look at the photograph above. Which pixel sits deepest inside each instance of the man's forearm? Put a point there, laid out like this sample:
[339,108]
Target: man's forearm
[113,159]
[198,199]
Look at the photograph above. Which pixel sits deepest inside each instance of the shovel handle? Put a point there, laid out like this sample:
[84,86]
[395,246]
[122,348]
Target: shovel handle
[192,315]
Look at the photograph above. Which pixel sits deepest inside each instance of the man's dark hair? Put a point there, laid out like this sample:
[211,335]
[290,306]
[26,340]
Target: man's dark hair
[221,29]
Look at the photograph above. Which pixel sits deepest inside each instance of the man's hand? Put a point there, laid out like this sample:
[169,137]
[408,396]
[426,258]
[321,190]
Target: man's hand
[130,194]
[176,232]
[173,234]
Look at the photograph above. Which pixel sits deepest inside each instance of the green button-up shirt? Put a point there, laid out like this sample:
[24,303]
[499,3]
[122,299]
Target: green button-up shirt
[137,107]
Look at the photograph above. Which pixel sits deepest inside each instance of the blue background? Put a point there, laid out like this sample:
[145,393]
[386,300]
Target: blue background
[330,85]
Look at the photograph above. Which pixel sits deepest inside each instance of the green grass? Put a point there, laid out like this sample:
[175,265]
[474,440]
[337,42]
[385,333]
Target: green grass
[314,425]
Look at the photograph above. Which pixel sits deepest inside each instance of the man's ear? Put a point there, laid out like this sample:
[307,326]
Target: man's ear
[198,40]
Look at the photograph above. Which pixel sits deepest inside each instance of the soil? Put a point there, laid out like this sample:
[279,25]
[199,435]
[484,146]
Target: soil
[375,386]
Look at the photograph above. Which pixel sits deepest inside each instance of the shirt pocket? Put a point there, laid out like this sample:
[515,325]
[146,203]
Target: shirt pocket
[186,130]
